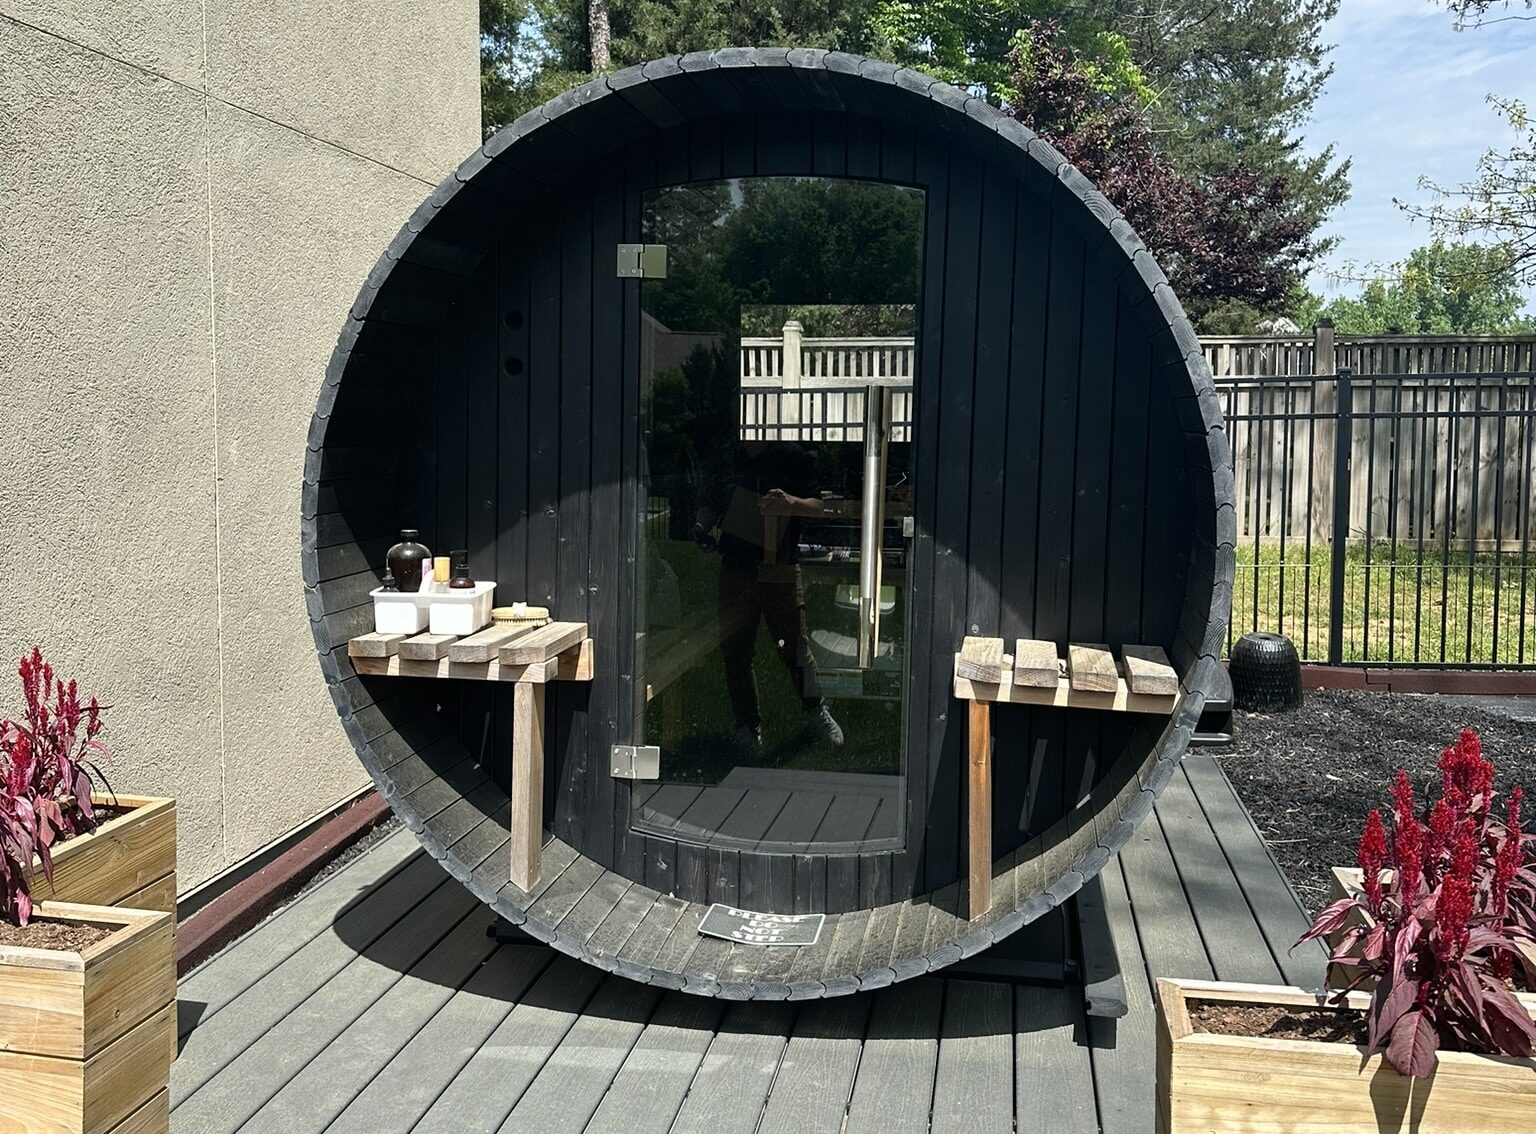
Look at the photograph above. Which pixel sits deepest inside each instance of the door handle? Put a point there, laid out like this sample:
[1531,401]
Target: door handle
[877,433]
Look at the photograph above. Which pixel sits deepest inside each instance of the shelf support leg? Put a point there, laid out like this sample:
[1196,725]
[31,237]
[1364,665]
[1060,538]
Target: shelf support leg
[979,805]
[527,812]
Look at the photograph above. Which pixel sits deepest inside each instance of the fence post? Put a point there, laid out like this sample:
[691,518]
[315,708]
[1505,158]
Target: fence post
[794,335]
[1343,442]
[789,371]
[1324,360]
[1324,401]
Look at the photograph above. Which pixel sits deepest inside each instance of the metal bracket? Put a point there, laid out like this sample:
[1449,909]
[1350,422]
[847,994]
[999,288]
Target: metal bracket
[636,762]
[643,261]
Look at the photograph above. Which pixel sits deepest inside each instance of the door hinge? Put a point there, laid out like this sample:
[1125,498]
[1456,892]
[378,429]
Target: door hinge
[643,261]
[635,762]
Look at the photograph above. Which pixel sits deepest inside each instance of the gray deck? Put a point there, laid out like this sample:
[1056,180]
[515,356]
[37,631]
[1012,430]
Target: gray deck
[377,1003]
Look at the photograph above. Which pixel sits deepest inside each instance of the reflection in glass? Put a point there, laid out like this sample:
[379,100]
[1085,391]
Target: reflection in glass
[777,376]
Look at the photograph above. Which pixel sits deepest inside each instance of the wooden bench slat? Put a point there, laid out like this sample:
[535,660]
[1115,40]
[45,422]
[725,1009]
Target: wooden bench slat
[426,647]
[483,645]
[1147,671]
[1035,663]
[543,643]
[982,659]
[1091,669]
[375,645]
[1064,696]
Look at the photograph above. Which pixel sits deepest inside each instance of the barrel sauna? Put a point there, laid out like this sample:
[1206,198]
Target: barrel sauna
[812,390]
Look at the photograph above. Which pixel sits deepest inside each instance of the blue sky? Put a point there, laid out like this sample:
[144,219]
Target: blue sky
[1407,98]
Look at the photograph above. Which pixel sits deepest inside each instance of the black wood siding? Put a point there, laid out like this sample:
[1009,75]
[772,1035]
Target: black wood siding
[1067,468]
[1042,440]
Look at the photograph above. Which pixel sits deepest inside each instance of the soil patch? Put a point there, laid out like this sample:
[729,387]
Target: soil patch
[1328,1025]
[62,935]
[1309,776]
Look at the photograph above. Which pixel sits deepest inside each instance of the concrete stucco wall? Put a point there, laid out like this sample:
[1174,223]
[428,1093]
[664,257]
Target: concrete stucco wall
[190,195]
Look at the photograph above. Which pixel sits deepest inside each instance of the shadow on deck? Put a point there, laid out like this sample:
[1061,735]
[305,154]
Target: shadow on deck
[376,1002]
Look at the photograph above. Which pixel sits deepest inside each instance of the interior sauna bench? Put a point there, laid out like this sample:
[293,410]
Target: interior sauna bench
[818,399]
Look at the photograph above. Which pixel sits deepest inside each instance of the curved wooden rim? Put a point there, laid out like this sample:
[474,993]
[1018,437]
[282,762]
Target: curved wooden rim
[458,222]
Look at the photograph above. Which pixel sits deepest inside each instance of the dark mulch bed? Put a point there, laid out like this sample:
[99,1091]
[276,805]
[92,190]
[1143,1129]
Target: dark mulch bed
[1310,776]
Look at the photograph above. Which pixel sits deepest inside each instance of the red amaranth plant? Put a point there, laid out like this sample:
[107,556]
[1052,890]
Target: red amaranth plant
[1447,913]
[47,765]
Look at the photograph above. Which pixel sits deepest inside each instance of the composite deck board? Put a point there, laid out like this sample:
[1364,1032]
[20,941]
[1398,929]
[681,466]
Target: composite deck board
[650,1088]
[1053,1088]
[1170,939]
[973,1088]
[311,1099]
[263,1068]
[267,999]
[213,985]
[400,1094]
[894,1088]
[1268,893]
[1122,1050]
[734,1078]
[573,1082]
[1232,937]
[816,1073]
[364,1004]
[484,1092]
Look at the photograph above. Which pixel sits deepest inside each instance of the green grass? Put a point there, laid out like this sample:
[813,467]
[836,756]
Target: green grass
[1393,606]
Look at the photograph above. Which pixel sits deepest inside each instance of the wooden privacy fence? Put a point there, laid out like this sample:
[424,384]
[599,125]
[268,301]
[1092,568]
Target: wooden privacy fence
[1386,517]
[1323,352]
[857,360]
[1438,457]
[1409,544]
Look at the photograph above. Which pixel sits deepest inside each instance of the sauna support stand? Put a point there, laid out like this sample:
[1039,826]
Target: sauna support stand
[1074,946]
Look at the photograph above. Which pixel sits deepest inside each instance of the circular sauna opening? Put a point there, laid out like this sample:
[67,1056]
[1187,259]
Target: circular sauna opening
[845,432]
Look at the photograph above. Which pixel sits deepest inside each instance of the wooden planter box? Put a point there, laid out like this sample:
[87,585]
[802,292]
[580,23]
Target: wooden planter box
[128,861]
[86,1037]
[1346,881]
[1260,1085]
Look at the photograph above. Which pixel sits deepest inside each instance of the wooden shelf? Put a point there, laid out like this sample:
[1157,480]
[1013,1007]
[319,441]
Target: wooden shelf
[1143,680]
[537,653]
[1089,677]
[574,664]
[527,655]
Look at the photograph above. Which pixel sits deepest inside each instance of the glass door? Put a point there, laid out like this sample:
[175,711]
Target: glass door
[777,372]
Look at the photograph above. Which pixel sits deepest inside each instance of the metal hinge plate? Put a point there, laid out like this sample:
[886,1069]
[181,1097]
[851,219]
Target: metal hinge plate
[642,261]
[636,762]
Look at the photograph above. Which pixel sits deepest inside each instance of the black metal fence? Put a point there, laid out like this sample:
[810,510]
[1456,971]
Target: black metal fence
[1385,519]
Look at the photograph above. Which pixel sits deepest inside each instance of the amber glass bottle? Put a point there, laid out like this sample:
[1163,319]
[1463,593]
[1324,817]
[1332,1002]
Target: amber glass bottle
[405,560]
[461,580]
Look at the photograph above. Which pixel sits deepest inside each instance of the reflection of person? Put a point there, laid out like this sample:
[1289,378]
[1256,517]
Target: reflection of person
[760,506]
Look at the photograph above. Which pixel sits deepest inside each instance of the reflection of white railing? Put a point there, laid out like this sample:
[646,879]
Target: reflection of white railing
[792,361]
[795,388]
[817,415]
